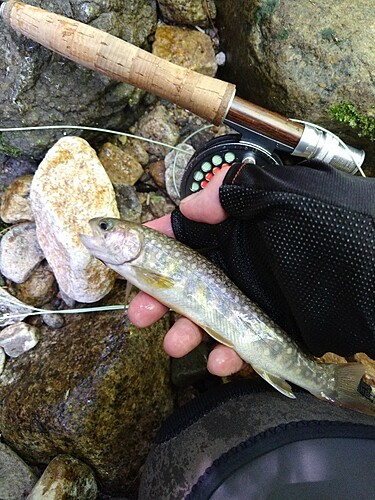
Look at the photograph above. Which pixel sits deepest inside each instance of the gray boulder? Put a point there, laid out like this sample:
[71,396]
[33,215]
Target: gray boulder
[38,87]
[302,58]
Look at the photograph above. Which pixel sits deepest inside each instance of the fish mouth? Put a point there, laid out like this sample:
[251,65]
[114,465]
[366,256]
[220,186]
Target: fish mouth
[93,242]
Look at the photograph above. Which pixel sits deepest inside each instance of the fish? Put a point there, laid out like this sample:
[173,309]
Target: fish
[188,283]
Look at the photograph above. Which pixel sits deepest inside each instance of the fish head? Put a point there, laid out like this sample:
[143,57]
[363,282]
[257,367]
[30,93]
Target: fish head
[113,241]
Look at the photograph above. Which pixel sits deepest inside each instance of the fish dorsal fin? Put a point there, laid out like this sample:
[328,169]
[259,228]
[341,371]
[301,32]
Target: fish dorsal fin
[154,279]
[217,336]
[276,382]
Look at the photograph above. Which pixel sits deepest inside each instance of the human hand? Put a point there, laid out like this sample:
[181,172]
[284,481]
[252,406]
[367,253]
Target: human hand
[185,335]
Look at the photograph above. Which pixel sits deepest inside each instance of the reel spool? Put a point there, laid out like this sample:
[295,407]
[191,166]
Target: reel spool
[221,152]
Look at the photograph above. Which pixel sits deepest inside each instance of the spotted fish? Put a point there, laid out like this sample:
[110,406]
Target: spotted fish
[189,284]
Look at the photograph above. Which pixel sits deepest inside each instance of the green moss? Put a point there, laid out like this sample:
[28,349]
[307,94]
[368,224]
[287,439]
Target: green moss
[7,149]
[264,10]
[329,35]
[282,34]
[347,113]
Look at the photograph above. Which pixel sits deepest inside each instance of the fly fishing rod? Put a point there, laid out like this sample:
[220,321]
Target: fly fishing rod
[261,132]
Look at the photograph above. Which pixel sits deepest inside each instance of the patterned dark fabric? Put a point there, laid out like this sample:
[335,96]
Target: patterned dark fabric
[300,241]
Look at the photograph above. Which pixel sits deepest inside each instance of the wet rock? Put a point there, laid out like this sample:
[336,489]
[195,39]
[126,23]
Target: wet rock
[38,289]
[128,203]
[158,124]
[12,168]
[190,12]
[20,252]
[159,206]
[69,188]
[120,165]
[2,361]
[185,47]
[300,58]
[18,338]
[192,367]
[157,172]
[175,166]
[79,96]
[15,203]
[136,149]
[19,477]
[97,389]
[65,477]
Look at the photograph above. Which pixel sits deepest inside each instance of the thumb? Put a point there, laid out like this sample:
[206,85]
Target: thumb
[205,205]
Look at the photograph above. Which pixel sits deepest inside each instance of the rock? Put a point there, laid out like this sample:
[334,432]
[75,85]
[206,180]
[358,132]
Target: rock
[185,47]
[80,96]
[159,206]
[12,168]
[135,148]
[53,320]
[97,389]
[158,124]
[128,203]
[120,166]
[157,172]
[301,58]
[38,289]
[175,166]
[2,363]
[15,203]
[190,12]
[19,477]
[20,252]
[18,338]
[65,477]
[69,188]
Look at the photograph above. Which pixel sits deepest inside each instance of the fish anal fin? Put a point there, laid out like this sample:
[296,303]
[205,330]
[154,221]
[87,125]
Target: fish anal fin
[278,383]
[153,279]
[217,336]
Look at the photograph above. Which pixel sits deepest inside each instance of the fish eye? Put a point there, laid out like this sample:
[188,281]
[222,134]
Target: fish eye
[105,225]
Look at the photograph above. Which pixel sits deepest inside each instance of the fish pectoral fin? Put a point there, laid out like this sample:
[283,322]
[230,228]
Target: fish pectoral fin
[154,279]
[217,336]
[278,383]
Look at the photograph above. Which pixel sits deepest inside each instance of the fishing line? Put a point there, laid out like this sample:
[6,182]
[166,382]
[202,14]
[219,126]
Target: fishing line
[174,165]
[93,129]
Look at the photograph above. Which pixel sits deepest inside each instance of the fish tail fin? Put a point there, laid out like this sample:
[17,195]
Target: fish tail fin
[345,392]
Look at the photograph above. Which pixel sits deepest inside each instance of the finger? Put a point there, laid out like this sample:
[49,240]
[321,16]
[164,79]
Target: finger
[182,338]
[223,361]
[205,205]
[163,225]
[144,310]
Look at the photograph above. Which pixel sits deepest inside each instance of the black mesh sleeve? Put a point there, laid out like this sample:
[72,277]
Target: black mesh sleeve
[300,242]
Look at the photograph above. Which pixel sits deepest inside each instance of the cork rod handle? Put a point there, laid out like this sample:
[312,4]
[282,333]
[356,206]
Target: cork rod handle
[207,97]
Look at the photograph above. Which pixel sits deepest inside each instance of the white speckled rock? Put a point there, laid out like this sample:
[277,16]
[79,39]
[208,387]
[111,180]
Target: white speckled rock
[20,252]
[65,477]
[69,188]
[18,338]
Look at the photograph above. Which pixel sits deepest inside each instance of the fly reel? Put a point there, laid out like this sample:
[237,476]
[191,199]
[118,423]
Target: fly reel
[221,152]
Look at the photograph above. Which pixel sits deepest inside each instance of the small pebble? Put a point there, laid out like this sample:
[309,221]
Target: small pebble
[54,321]
[18,338]
[20,252]
[15,203]
[120,165]
[157,172]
